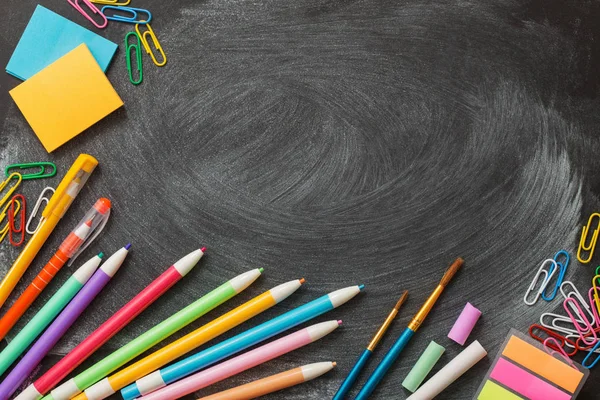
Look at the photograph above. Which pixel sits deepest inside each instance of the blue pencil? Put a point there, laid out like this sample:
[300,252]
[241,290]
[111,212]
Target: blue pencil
[207,357]
[366,354]
[408,333]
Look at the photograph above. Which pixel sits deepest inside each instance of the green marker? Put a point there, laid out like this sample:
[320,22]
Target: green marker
[158,333]
[47,314]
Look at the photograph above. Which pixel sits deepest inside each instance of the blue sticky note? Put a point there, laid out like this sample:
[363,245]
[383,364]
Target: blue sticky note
[49,36]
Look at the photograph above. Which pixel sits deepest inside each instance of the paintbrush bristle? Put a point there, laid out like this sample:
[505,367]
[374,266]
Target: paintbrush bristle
[401,301]
[452,269]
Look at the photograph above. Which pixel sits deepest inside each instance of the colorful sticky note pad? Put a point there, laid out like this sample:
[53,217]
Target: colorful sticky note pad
[65,98]
[49,36]
[525,370]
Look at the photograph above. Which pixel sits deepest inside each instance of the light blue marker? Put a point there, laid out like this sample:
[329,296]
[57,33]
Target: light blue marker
[207,357]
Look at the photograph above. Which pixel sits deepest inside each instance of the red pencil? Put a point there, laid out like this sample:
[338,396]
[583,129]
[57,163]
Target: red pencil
[115,323]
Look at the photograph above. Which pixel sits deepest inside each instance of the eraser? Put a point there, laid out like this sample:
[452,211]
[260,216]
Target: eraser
[464,324]
[424,365]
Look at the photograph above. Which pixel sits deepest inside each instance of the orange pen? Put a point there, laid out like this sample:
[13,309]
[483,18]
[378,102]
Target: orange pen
[274,383]
[86,231]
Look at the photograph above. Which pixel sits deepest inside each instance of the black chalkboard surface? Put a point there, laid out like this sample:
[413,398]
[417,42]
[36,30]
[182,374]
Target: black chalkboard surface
[347,142]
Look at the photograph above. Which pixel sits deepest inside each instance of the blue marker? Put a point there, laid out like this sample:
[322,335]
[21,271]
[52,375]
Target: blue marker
[207,357]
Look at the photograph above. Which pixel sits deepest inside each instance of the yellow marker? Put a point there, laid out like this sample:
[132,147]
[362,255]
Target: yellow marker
[189,342]
[58,205]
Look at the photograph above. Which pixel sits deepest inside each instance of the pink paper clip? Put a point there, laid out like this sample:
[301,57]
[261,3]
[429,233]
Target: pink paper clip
[91,7]
[549,343]
[587,326]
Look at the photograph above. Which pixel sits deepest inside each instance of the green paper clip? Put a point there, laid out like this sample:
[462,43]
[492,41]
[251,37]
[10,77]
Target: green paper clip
[42,173]
[138,56]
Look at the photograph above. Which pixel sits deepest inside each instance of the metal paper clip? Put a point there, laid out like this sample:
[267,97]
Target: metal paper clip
[556,318]
[111,2]
[133,12]
[551,334]
[552,342]
[584,328]
[41,199]
[3,214]
[575,294]
[157,45]
[12,213]
[93,9]
[11,190]
[42,173]
[137,49]
[592,243]
[547,276]
[562,269]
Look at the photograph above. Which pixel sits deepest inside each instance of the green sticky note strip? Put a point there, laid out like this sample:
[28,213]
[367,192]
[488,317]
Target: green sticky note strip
[493,391]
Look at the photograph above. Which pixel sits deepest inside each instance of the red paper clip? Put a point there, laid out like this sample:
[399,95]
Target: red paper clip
[561,339]
[12,229]
[583,346]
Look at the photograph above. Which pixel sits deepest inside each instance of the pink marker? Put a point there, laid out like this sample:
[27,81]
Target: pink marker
[245,361]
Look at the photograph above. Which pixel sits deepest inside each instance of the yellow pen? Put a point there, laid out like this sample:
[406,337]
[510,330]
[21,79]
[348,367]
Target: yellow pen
[58,205]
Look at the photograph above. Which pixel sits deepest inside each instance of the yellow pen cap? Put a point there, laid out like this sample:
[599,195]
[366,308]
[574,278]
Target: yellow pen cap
[70,186]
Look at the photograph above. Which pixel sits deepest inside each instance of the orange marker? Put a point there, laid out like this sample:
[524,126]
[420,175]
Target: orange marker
[92,222]
[274,383]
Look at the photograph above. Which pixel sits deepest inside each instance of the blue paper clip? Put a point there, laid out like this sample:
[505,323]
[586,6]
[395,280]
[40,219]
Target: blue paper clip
[562,265]
[133,12]
[586,361]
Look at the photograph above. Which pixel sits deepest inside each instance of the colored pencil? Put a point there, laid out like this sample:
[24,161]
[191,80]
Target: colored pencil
[244,361]
[192,340]
[158,333]
[62,323]
[66,251]
[58,205]
[393,354]
[274,383]
[366,354]
[238,343]
[113,325]
[46,315]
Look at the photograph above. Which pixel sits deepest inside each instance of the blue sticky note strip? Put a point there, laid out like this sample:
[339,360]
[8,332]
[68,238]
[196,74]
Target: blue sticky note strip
[49,36]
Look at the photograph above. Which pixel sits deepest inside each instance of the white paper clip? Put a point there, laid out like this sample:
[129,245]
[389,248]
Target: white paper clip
[36,208]
[547,276]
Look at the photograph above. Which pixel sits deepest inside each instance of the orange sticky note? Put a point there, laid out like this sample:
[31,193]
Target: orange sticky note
[66,98]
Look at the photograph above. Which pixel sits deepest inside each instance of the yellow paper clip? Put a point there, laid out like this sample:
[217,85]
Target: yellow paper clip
[4,230]
[111,2]
[11,190]
[592,243]
[157,45]
[595,279]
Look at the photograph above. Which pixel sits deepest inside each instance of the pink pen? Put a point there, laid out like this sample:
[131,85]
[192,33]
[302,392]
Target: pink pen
[245,361]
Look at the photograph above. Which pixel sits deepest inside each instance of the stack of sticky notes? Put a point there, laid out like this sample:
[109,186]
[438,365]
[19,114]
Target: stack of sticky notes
[65,89]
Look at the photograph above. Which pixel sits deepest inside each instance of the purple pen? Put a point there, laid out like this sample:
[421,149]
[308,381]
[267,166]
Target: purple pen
[62,323]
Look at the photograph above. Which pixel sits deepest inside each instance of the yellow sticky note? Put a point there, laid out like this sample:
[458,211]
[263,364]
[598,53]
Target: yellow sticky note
[66,98]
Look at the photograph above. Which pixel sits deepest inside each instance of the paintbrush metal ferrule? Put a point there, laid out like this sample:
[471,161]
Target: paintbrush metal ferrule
[386,324]
[418,319]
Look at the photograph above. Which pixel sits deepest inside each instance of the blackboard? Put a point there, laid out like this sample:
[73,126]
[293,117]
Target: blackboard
[345,142]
